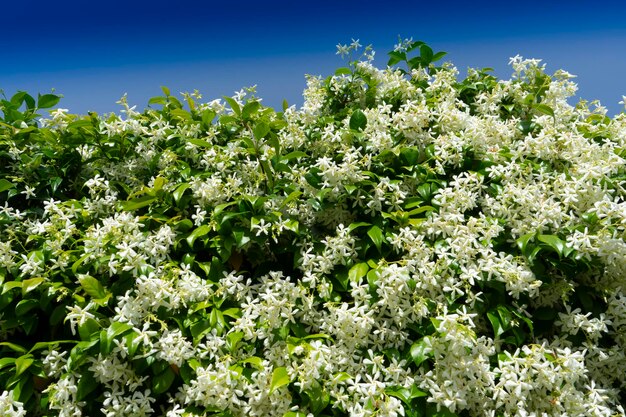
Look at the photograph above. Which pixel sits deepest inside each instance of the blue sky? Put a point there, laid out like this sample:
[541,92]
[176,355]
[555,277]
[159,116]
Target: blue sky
[94,52]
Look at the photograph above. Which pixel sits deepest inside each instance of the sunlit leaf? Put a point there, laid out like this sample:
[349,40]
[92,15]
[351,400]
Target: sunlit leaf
[553,242]
[376,234]
[280,378]
[30,284]
[47,100]
[92,286]
[198,232]
[358,271]
[138,203]
[419,351]
[233,105]
[544,108]
[179,191]
[23,363]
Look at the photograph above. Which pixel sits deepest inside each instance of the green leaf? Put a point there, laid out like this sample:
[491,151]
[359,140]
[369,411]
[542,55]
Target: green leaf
[426,53]
[24,306]
[89,330]
[316,336]
[250,108]
[241,238]
[544,108]
[554,242]
[529,99]
[280,378]
[426,190]
[590,217]
[376,234]
[293,196]
[414,45]
[7,286]
[191,103]
[86,385]
[417,393]
[23,390]
[4,362]
[81,123]
[419,351]
[341,278]
[138,203]
[358,120]
[5,185]
[80,353]
[181,114]
[18,99]
[232,312]
[522,242]
[526,126]
[406,395]
[495,324]
[117,329]
[399,392]
[395,57]
[199,329]
[233,339]
[341,377]
[356,225]
[23,363]
[79,262]
[30,284]
[372,278]
[179,191]
[47,100]
[261,129]
[343,71]
[255,361]
[92,286]
[13,347]
[505,317]
[293,155]
[200,142]
[165,90]
[358,271]
[319,398]
[163,381]
[525,319]
[233,105]
[409,156]
[47,345]
[438,56]
[157,100]
[198,232]
[420,210]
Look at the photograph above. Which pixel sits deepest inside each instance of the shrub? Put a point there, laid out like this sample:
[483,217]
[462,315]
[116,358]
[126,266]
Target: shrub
[405,243]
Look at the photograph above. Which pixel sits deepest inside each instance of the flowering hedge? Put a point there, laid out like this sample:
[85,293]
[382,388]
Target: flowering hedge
[405,243]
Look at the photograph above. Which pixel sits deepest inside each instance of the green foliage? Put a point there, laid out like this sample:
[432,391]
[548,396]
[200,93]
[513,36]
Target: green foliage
[344,258]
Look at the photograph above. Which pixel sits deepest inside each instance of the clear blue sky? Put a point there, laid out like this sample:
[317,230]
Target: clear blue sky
[94,52]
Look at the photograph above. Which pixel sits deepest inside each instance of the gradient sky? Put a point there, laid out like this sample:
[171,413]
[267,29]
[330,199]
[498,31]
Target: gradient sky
[93,52]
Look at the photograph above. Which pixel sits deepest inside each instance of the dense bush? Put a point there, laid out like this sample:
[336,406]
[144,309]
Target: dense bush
[404,244]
